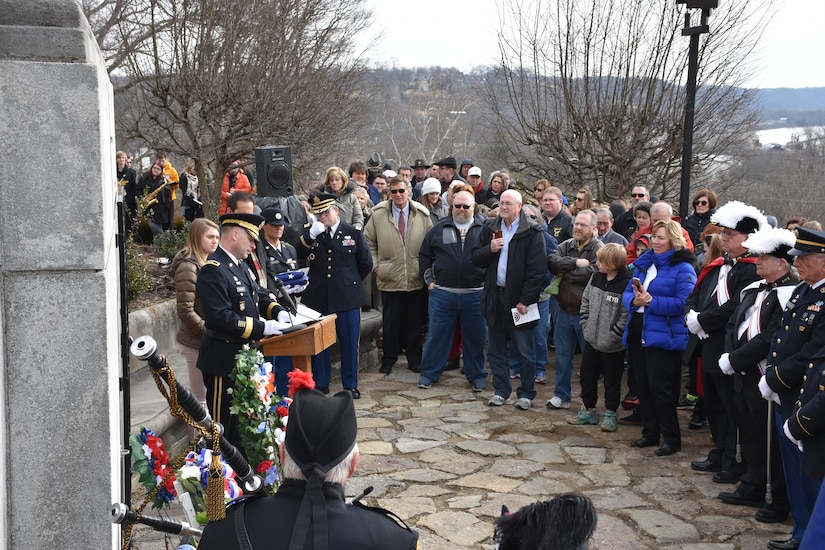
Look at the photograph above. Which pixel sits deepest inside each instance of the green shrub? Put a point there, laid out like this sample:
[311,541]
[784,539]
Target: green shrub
[169,243]
[138,280]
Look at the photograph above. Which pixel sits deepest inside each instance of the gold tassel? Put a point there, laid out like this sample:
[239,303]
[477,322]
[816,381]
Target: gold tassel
[215,507]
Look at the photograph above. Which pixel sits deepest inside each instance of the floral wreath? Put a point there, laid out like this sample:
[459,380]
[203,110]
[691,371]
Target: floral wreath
[151,462]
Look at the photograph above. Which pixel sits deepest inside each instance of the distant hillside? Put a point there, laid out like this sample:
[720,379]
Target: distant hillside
[783,107]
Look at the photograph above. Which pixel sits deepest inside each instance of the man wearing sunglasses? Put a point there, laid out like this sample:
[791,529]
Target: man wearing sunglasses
[625,224]
[395,233]
[455,285]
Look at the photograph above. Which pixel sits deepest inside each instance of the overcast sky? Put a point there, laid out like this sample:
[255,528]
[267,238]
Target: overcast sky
[461,34]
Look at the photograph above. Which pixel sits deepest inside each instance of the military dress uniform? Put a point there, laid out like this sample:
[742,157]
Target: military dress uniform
[799,337]
[748,339]
[232,306]
[338,263]
[714,318]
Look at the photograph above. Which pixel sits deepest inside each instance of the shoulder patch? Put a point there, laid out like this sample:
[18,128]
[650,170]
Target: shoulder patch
[214,263]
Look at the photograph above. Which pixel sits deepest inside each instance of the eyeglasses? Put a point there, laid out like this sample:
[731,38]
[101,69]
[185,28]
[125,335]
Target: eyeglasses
[728,233]
[532,217]
[700,203]
[396,191]
[579,199]
[463,206]
[638,195]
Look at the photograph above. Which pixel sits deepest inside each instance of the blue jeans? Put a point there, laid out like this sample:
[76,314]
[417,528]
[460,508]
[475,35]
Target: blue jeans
[521,340]
[540,335]
[444,308]
[568,333]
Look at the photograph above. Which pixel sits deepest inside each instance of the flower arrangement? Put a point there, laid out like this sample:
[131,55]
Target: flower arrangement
[194,475]
[262,415]
[151,462]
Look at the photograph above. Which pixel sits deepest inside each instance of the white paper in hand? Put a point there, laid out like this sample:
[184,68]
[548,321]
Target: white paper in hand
[532,314]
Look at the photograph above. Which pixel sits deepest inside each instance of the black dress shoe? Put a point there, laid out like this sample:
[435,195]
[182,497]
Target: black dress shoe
[355,393]
[790,544]
[738,499]
[697,423]
[644,442]
[385,369]
[725,477]
[667,449]
[414,368]
[323,389]
[705,466]
[771,515]
[633,419]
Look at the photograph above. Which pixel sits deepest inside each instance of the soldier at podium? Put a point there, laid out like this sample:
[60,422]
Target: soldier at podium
[234,313]
[339,259]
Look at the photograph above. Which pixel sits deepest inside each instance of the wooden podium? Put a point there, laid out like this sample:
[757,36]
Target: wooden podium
[302,344]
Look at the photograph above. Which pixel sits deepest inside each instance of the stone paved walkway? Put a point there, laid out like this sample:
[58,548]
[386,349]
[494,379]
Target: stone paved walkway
[446,462]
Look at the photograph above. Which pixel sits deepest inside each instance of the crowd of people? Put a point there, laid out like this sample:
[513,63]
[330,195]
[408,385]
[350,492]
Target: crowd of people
[464,270]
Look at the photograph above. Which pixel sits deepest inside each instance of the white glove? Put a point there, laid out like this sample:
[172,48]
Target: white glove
[283,317]
[789,436]
[724,364]
[311,217]
[271,328]
[692,320]
[296,289]
[702,334]
[767,393]
[316,229]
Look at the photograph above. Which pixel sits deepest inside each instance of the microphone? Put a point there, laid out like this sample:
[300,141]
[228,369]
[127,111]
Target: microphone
[286,297]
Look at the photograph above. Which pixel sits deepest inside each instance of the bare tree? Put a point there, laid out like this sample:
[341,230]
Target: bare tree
[217,79]
[592,93]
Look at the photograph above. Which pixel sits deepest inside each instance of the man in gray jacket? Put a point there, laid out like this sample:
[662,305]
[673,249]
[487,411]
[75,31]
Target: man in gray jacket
[574,261]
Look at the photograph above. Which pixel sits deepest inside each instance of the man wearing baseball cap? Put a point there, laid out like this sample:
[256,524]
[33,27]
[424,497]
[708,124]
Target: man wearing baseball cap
[309,512]
[474,179]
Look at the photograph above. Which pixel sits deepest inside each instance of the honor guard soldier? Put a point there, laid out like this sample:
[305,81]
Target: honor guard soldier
[708,310]
[234,313]
[339,259]
[747,340]
[278,256]
[798,339]
[308,512]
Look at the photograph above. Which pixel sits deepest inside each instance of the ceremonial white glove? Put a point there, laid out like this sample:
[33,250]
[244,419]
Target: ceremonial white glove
[789,436]
[316,229]
[311,217]
[271,328]
[724,364]
[702,334]
[296,289]
[283,317]
[692,320]
[767,393]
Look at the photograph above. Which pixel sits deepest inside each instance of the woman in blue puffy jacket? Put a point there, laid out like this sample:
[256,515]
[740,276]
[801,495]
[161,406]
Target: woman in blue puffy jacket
[656,334]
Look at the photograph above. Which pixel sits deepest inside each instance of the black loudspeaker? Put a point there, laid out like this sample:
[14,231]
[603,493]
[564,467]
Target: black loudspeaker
[274,166]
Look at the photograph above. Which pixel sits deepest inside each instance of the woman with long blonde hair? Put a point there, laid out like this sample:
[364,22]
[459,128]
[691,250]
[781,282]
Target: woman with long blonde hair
[202,240]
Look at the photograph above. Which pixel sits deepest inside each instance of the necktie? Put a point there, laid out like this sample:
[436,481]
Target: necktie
[402,227]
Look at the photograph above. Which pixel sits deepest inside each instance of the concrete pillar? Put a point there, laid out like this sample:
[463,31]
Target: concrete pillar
[59,363]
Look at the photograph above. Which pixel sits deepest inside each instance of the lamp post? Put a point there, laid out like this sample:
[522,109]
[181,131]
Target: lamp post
[690,99]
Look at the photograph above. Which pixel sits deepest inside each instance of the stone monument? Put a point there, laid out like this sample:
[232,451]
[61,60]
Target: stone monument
[60,420]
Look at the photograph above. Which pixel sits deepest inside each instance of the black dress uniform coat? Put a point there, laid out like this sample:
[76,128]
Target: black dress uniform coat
[337,265]
[278,261]
[799,337]
[747,355]
[713,317]
[269,523]
[807,423]
[232,306]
